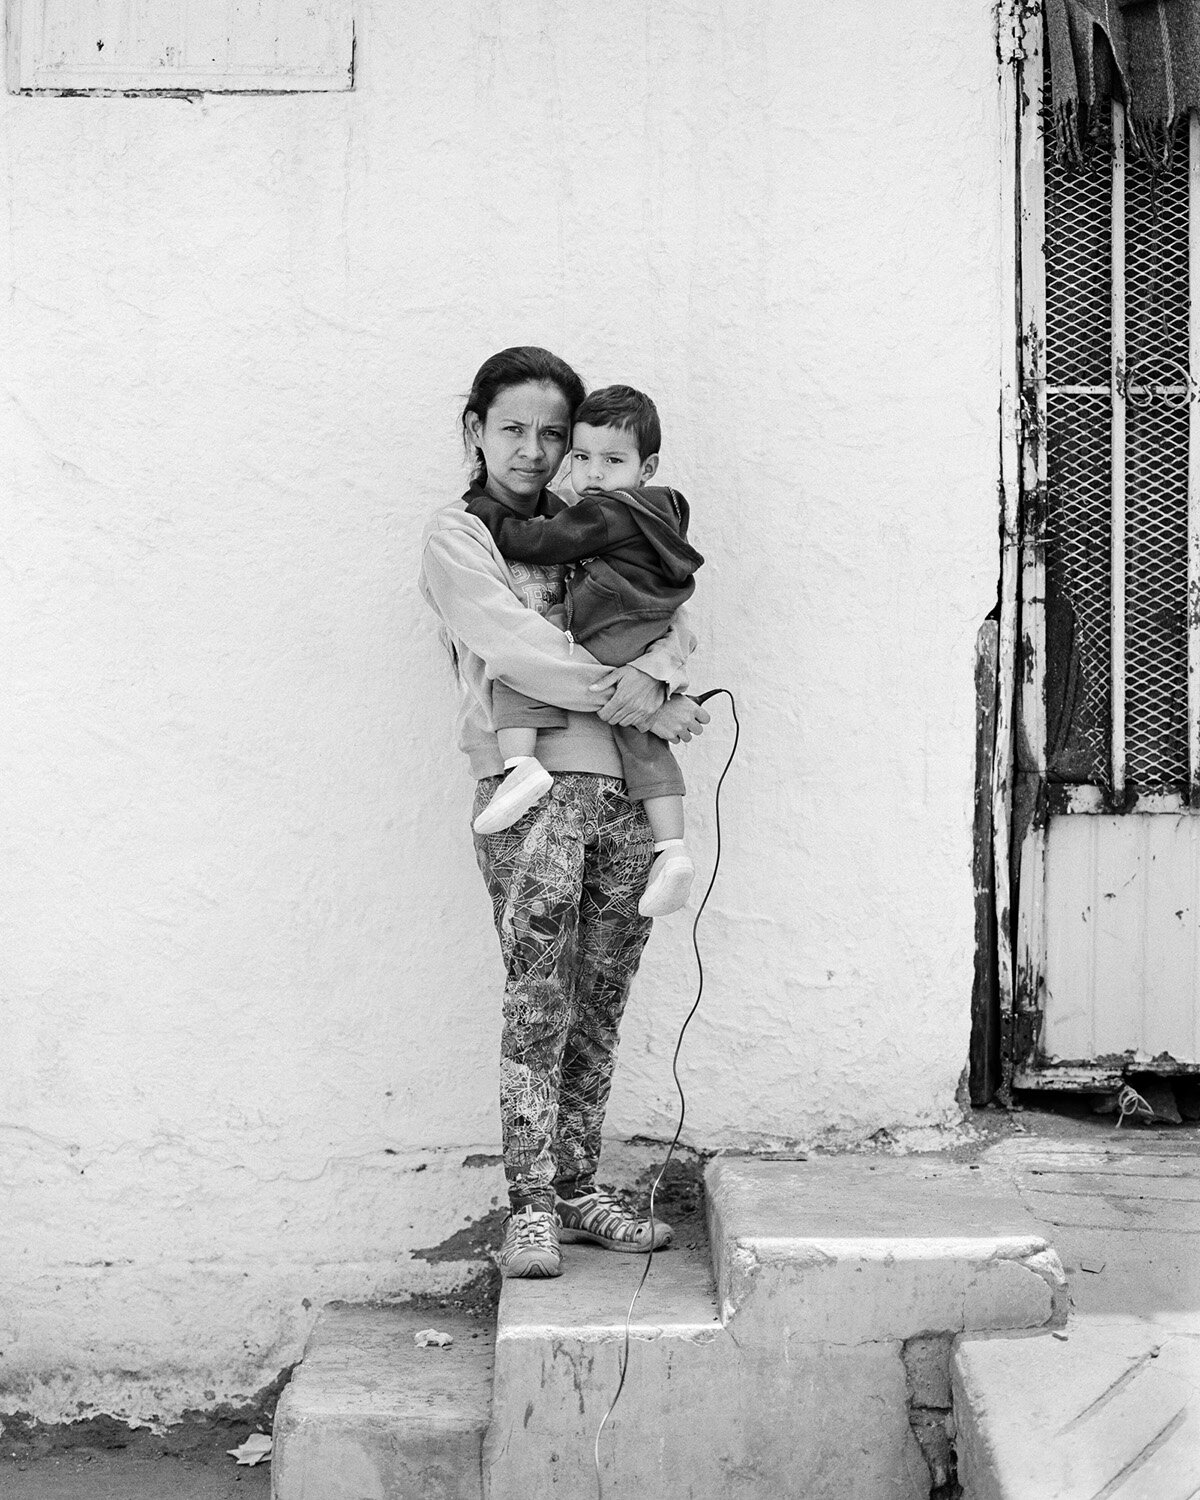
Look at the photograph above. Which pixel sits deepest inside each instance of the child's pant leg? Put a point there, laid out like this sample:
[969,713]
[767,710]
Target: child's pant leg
[649,766]
[513,710]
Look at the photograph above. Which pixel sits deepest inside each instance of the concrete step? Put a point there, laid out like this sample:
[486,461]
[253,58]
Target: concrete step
[1109,1409]
[813,1366]
[848,1278]
[849,1249]
[559,1346]
[369,1415]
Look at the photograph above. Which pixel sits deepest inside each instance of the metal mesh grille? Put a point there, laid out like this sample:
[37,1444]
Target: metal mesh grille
[1078,353]
[1156,428]
[1077,552]
[1079,271]
[1078,426]
[1156,595]
[1156,268]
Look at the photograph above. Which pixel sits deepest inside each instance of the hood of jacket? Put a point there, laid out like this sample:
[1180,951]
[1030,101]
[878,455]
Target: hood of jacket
[661,515]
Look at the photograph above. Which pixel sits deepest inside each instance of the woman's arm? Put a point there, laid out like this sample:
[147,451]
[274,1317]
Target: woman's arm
[667,659]
[636,691]
[461,578]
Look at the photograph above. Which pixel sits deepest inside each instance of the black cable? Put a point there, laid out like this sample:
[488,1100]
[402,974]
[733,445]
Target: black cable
[737,730]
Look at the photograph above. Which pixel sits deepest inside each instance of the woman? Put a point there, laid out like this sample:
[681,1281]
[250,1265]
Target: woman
[566,879]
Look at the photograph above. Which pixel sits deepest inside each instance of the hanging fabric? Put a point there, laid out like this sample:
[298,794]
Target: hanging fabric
[1146,53]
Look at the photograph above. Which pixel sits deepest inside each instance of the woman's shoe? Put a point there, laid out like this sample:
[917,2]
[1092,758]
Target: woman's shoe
[530,1245]
[526,784]
[602,1219]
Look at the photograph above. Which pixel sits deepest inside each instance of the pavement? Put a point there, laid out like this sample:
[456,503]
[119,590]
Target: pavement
[1110,1405]
[1121,1208]
[92,1475]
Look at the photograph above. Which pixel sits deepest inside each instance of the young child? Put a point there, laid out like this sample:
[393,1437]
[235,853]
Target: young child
[632,568]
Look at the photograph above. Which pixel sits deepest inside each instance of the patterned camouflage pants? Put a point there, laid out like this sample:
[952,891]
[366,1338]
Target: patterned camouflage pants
[565,883]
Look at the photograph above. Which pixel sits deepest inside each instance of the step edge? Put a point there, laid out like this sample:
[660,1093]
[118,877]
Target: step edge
[880,1247]
[603,1332]
[340,1421]
[301,1405]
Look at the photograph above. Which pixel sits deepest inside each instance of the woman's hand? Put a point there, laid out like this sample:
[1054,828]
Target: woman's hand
[678,719]
[635,697]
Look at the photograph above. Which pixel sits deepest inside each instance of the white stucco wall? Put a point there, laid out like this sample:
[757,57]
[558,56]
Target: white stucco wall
[249,1012]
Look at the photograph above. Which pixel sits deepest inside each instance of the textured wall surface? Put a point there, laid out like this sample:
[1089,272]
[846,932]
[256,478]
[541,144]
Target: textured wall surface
[250,995]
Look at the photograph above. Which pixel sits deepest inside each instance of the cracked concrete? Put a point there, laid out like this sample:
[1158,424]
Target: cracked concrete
[822,1357]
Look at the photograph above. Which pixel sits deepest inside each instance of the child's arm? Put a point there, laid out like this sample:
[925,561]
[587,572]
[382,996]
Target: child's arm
[464,581]
[578,531]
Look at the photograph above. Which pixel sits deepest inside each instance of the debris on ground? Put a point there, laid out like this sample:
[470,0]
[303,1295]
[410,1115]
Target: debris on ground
[430,1338]
[1132,1104]
[256,1447]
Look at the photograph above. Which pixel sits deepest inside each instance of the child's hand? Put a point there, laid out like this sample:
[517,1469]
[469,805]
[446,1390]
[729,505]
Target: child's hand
[634,696]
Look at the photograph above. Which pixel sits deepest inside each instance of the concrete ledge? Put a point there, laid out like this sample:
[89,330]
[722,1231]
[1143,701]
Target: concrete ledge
[850,1250]
[559,1346]
[1111,1406]
[702,1414]
[814,1366]
[371,1416]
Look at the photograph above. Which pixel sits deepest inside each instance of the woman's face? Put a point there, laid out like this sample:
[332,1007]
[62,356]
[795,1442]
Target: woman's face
[523,440]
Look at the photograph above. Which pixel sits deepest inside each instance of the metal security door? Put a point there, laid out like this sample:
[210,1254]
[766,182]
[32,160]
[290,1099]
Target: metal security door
[1107,805]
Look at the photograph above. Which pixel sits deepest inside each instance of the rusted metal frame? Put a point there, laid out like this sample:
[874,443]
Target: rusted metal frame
[1089,801]
[1193,604]
[984,1076]
[1072,1078]
[1099,1075]
[1138,387]
[1013,29]
[1030,926]
[1117,533]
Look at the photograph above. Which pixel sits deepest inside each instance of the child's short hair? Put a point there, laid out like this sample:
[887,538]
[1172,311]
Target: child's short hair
[629,410]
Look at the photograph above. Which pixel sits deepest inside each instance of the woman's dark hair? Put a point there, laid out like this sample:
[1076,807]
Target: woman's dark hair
[518,366]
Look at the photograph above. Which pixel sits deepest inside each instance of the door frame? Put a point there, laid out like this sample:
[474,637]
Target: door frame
[1022,800]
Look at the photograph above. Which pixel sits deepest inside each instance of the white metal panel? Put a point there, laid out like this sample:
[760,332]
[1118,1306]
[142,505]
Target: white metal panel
[1122,920]
[225,45]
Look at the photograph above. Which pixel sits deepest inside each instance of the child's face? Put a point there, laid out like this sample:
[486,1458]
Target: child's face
[607,458]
